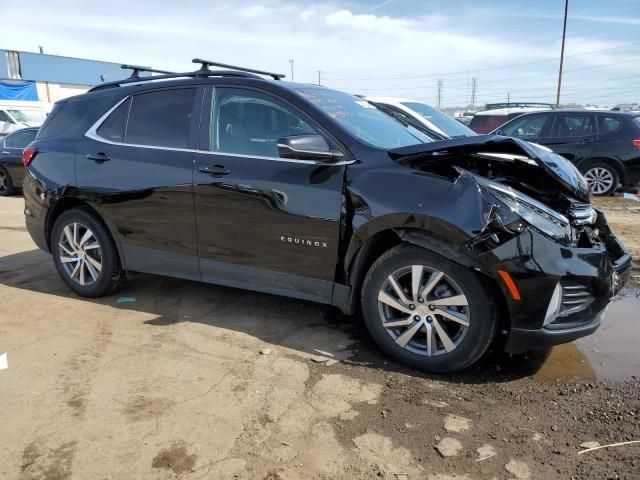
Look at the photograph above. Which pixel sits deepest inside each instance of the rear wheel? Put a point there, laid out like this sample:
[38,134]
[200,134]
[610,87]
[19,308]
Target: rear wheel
[6,184]
[427,311]
[602,178]
[85,254]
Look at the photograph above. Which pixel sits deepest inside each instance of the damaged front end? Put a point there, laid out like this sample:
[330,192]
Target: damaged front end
[551,253]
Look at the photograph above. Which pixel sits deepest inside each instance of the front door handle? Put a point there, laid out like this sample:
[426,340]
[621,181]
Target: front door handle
[215,170]
[98,157]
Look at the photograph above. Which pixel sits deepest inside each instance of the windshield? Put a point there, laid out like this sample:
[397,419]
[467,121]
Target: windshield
[31,116]
[452,127]
[362,119]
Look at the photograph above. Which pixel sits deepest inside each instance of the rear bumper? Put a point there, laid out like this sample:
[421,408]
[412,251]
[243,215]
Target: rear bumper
[35,212]
[584,280]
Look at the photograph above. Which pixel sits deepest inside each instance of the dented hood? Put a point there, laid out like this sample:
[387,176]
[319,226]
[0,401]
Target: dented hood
[558,168]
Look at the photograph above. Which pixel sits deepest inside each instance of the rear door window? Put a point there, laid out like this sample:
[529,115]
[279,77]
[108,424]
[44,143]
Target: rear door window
[572,126]
[527,127]
[608,125]
[161,118]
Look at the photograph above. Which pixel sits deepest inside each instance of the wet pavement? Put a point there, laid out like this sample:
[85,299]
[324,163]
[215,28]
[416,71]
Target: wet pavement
[611,353]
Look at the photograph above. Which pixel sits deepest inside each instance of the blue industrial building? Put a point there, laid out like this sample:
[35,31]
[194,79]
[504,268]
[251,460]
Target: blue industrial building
[48,78]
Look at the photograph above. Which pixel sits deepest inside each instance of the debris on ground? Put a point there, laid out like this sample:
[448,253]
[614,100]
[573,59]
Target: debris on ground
[126,300]
[588,445]
[265,351]
[620,444]
[449,447]
[518,469]
[484,452]
[4,362]
[329,358]
[454,423]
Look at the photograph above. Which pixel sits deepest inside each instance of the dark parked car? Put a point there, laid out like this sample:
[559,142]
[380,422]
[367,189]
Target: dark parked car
[497,114]
[226,177]
[11,168]
[604,145]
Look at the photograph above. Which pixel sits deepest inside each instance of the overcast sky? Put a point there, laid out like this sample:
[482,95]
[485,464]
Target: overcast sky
[392,47]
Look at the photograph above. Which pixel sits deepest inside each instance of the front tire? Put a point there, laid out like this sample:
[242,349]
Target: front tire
[603,178]
[426,311]
[85,254]
[6,184]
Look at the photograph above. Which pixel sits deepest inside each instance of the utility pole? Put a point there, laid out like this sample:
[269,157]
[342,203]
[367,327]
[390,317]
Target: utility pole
[508,97]
[474,91]
[468,84]
[46,83]
[564,34]
[319,77]
[439,96]
[291,62]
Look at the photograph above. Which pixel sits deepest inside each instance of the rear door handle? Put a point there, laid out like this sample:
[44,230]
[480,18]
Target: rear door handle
[98,157]
[215,170]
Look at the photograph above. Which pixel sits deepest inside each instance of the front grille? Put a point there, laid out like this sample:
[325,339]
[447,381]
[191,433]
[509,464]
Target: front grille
[576,297]
[582,213]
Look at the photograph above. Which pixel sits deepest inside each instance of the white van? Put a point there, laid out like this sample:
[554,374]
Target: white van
[15,115]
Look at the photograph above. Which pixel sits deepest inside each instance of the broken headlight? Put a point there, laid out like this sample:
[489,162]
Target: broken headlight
[532,211]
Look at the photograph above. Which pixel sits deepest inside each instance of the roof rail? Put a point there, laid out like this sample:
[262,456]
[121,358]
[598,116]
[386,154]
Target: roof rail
[137,69]
[495,106]
[205,64]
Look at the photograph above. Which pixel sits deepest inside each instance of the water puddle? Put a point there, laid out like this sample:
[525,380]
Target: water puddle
[611,353]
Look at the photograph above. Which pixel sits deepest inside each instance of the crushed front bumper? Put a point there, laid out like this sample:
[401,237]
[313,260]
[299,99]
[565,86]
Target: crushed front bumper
[584,279]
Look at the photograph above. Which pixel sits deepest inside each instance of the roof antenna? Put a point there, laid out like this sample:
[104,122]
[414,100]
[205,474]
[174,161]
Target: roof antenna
[138,68]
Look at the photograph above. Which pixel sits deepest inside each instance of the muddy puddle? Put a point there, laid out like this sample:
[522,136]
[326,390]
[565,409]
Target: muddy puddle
[611,353]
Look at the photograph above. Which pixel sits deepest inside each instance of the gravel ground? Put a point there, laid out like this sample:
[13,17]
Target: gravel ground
[195,381]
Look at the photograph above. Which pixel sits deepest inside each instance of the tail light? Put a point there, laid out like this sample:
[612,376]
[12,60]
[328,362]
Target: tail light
[28,154]
[637,143]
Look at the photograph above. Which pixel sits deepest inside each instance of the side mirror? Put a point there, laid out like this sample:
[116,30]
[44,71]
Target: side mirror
[307,147]
[498,132]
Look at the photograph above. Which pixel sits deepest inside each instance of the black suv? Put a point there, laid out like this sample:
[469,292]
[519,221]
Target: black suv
[11,168]
[227,177]
[605,145]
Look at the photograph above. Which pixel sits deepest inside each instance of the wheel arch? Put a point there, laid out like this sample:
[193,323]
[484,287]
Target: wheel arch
[371,240]
[69,202]
[614,162]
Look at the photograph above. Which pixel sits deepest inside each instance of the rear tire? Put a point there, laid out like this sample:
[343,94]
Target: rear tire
[405,307]
[85,254]
[602,177]
[6,184]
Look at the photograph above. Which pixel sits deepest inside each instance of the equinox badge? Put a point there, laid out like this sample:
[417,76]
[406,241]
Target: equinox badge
[303,241]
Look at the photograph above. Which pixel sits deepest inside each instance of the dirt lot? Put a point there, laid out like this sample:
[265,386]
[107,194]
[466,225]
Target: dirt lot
[194,381]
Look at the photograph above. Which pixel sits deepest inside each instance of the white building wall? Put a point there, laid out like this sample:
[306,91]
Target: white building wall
[52,92]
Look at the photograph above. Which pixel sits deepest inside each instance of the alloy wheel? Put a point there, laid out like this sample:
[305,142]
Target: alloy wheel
[600,180]
[80,253]
[423,310]
[4,182]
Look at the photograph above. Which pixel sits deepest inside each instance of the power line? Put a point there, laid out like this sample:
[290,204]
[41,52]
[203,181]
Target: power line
[431,75]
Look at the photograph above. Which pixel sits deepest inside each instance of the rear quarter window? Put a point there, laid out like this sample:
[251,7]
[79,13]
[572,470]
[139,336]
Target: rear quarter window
[63,116]
[608,124]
